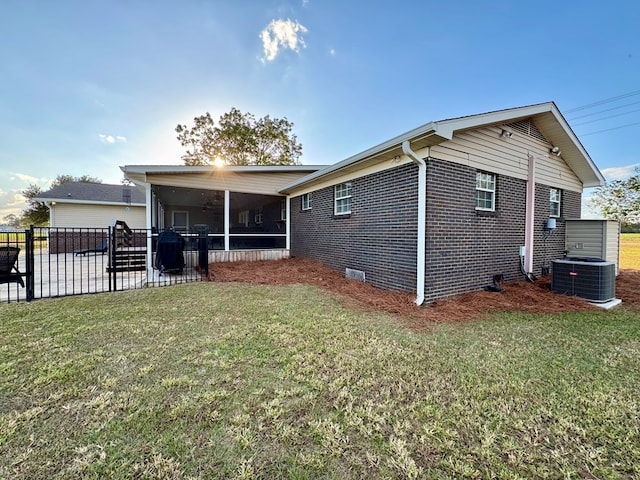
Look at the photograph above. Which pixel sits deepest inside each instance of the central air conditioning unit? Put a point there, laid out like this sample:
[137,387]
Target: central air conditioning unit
[590,278]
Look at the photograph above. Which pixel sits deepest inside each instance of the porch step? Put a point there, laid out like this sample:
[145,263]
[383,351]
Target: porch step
[129,261]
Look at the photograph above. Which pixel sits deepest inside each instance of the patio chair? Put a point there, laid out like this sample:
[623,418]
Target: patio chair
[101,248]
[9,266]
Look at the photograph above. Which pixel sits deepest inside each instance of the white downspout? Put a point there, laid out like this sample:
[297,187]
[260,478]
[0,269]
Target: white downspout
[530,216]
[422,218]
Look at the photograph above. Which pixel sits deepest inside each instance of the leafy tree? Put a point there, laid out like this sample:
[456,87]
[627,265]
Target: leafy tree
[11,220]
[620,199]
[62,179]
[239,139]
[37,213]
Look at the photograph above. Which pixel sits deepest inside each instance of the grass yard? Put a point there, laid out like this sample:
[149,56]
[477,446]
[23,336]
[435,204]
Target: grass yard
[630,251]
[218,380]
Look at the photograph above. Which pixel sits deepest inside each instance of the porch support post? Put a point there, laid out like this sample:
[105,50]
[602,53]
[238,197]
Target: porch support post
[149,220]
[288,222]
[227,214]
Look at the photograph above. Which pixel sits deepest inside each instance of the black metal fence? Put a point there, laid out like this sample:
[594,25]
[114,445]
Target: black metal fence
[44,262]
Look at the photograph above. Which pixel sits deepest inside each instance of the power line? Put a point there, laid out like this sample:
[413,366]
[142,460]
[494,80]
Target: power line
[604,111]
[609,129]
[606,118]
[601,102]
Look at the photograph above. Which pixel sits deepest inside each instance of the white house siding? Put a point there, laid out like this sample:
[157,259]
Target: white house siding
[96,216]
[266,183]
[485,149]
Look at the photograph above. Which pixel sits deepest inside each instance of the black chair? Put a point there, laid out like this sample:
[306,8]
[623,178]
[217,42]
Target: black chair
[9,272]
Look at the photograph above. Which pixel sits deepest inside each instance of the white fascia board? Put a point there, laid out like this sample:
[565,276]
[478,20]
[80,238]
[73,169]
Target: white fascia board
[396,142]
[87,202]
[151,169]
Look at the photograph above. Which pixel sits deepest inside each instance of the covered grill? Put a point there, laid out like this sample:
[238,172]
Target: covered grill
[169,256]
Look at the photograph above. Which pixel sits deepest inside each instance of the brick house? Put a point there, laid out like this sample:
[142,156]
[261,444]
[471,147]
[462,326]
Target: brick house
[441,209]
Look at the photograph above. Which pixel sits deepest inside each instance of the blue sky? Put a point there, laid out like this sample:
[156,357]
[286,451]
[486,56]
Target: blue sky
[88,86]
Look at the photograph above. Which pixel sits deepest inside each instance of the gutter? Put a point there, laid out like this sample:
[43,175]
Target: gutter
[422,217]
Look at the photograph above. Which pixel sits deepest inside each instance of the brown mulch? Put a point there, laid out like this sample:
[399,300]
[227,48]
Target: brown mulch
[516,296]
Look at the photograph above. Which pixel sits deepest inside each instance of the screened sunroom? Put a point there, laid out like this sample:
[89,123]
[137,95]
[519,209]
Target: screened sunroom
[237,209]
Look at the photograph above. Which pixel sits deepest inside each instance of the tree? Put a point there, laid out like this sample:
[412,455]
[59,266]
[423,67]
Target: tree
[620,199]
[37,213]
[11,220]
[239,139]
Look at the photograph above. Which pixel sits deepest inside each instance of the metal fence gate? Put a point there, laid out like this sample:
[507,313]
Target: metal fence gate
[48,262]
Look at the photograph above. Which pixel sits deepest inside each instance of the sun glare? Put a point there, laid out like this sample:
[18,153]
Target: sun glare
[218,162]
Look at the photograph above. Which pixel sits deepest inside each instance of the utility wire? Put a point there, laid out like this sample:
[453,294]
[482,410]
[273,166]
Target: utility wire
[601,102]
[604,111]
[606,118]
[609,129]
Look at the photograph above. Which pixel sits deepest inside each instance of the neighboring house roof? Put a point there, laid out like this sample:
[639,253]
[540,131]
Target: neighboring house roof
[545,116]
[93,193]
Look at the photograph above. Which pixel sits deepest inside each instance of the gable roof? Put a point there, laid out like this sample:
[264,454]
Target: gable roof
[94,193]
[545,116]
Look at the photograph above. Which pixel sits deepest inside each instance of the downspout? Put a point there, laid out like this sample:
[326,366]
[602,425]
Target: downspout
[530,217]
[422,218]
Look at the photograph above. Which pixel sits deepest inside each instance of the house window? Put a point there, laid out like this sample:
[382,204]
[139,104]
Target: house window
[283,210]
[342,194]
[180,220]
[555,194]
[243,218]
[485,191]
[258,217]
[306,201]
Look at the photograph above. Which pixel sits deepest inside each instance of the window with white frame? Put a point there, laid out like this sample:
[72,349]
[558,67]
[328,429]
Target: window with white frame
[485,191]
[555,195]
[283,209]
[306,201]
[258,217]
[342,195]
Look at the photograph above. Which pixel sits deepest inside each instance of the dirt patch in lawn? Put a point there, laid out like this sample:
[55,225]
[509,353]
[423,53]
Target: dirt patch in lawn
[516,296]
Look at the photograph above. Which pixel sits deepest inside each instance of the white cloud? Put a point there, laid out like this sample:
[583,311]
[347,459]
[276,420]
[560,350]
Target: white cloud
[620,173]
[305,3]
[332,52]
[281,34]
[111,139]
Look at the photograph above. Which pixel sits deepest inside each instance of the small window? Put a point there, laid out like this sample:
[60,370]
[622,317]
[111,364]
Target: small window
[257,218]
[306,201]
[343,198]
[485,191]
[555,195]
[180,221]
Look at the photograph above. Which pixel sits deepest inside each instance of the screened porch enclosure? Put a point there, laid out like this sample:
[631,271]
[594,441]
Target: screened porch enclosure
[229,220]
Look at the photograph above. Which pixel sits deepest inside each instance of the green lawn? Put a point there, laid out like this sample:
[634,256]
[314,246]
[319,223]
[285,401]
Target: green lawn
[233,381]
[630,251]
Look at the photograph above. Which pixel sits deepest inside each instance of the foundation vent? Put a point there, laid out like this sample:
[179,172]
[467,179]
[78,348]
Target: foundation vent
[353,274]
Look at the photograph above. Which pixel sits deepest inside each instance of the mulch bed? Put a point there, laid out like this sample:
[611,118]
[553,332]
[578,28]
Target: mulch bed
[516,296]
